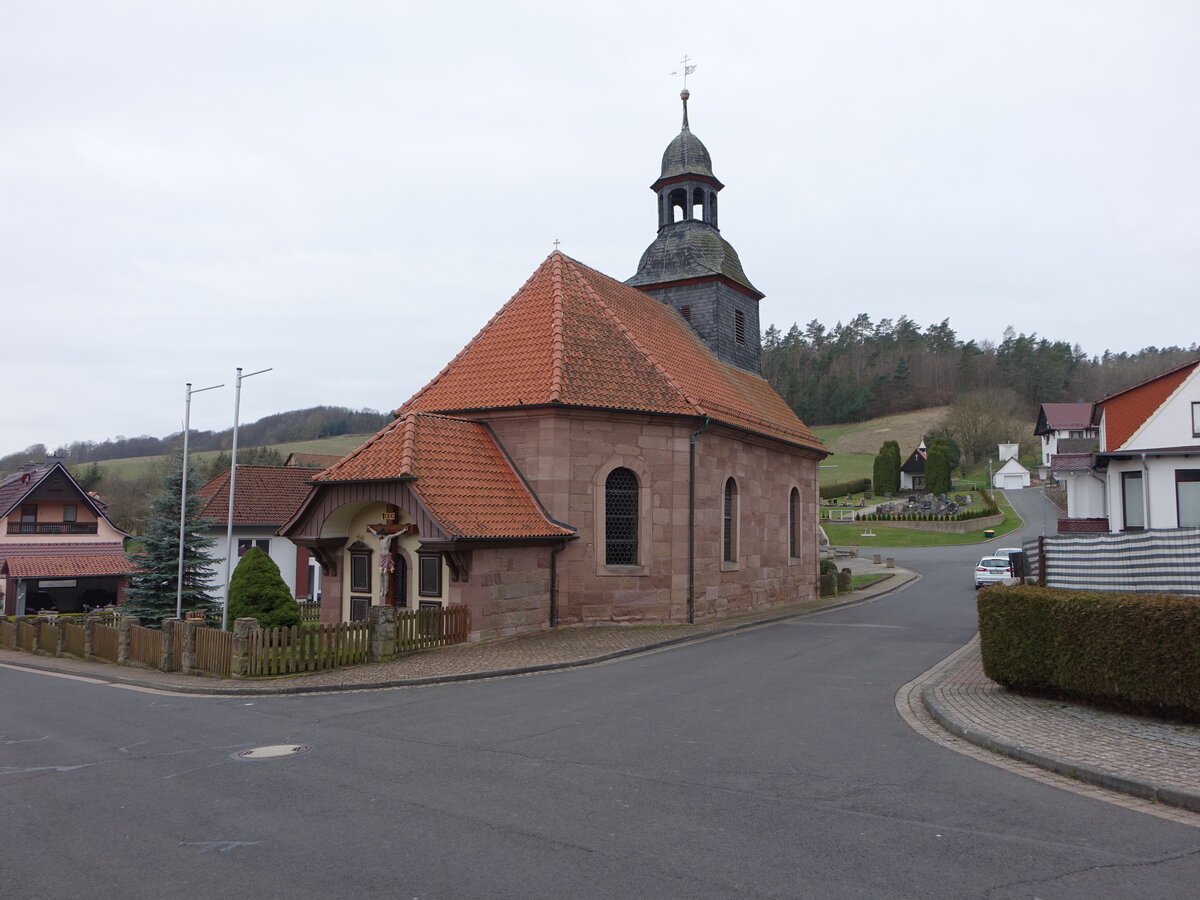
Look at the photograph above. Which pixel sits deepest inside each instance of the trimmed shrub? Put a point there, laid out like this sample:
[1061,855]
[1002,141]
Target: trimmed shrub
[1135,652]
[828,567]
[842,488]
[258,590]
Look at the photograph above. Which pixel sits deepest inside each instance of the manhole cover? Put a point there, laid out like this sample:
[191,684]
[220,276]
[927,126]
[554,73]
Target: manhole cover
[275,751]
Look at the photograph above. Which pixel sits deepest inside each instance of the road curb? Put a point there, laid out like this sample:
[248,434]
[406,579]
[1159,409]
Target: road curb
[1137,787]
[902,578]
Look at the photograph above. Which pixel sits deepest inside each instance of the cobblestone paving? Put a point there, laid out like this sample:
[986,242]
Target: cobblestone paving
[1141,750]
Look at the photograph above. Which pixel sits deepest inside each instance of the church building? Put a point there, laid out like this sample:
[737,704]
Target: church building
[600,452]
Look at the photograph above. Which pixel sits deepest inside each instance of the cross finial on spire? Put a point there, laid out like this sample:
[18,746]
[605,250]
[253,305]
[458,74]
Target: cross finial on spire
[556,245]
[688,67]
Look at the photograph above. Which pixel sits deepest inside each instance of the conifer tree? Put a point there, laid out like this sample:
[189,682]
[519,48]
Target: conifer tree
[257,590]
[152,590]
[937,467]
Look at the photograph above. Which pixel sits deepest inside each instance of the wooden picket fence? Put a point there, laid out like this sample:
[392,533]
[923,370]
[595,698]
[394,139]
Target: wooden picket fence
[8,634]
[310,611]
[214,651]
[311,648]
[145,646]
[421,629]
[26,636]
[106,642]
[74,637]
[47,640]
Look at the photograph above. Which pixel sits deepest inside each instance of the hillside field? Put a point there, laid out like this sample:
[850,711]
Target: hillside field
[854,445]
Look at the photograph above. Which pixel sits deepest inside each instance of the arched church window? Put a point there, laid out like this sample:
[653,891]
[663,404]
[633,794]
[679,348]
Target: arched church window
[793,518]
[698,204]
[621,518]
[678,200]
[729,537]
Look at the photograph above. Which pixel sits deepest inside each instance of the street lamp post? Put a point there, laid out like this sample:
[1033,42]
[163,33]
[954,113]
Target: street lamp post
[187,424]
[237,402]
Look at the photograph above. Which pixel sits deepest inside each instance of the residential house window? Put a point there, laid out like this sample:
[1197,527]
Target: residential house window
[1187,497]
[70,513]
[1132,504]
[729,537]
[28,518]
[429,575]
[1196,420]
[263,544]
[621,518]
[793,519]
[739,326]
[360,568]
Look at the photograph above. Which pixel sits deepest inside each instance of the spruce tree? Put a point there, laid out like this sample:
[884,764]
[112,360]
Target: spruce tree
[892,450]
[257,590]
[152,589]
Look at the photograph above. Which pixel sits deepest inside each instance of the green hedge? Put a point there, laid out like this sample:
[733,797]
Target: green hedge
[1135,652]
[844,488]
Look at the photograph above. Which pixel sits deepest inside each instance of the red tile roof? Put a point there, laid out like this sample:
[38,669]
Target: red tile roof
[458,472]
[574,336]
[1125,411]
[266,495]
[64,560]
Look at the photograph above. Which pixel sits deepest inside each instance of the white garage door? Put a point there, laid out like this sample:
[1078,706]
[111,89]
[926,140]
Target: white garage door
[1013,482]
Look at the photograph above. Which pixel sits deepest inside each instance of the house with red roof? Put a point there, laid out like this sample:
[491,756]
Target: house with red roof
[599,452]
[58,548]
[1065,428]
[1145,472]
[264,498]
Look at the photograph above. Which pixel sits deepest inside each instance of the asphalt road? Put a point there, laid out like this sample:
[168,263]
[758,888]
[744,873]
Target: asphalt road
[768,763]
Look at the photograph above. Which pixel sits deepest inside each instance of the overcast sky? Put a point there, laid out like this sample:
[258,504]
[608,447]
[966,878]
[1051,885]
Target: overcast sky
[347,191]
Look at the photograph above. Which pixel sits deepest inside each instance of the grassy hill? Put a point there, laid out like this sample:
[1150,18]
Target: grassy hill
[136,466]
[854,445]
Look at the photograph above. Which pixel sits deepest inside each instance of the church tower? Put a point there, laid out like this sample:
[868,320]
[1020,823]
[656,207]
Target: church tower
[690,266]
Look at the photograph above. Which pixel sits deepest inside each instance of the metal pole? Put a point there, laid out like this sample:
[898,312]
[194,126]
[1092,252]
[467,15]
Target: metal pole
[237,402]
[187,423]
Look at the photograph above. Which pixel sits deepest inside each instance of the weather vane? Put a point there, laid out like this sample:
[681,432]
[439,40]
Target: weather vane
[688,68]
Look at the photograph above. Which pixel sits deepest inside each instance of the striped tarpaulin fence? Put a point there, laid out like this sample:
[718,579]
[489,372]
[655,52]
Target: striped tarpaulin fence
[1165,559]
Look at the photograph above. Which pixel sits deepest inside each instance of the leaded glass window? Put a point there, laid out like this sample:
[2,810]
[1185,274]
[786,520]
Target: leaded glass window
[730,523]
[621,518]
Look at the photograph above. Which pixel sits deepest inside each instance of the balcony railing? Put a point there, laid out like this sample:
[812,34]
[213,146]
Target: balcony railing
[52,527]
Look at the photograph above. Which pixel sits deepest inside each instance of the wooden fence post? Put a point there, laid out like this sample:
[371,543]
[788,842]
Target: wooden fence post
[382,623]
[245,635]
[188,663]
[1042,560]
[125,638]
[167,661]
[89,637]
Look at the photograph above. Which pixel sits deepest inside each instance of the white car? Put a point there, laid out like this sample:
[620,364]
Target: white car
[1004,551]
[992,569]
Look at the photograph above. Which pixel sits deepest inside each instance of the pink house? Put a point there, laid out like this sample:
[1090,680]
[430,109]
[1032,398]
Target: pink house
[58,549]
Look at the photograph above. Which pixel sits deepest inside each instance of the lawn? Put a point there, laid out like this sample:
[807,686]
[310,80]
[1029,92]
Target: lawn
[888,536]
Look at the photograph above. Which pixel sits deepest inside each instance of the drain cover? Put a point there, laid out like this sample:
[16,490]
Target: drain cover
[275,751]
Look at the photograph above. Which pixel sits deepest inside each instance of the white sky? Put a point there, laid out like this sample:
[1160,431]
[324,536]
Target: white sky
[347,191]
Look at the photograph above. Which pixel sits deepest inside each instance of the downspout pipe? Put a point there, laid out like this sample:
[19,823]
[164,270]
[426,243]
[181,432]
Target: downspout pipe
[1145,492]
[554,582]
[691,580]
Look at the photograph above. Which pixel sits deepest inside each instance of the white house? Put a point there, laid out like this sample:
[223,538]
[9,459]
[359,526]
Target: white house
[912,470]
[1146,473]
[1010,476]
[266,497]
[1066,428]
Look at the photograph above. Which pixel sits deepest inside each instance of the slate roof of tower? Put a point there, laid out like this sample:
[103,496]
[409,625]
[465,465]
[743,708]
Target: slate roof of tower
[576,337]
[686,155]
[690,249]
[457,471]
[264,495]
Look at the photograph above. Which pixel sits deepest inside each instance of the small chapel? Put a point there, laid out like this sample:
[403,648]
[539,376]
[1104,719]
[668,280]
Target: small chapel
[600,452]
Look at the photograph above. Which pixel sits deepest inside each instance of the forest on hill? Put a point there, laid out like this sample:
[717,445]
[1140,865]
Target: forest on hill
[861,370]
[296,425]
